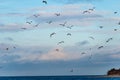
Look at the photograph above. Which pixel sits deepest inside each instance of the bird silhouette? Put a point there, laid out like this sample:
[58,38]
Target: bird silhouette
[115,12]
[109,40]
[118,23]
[63,24]
[57,14]
[69,27]
[57,50]
[60,42]
[83,53]
[45,2]
[85,12]
[14,47]
[49,22]
[36,15]
[115,29]
[92,9]
[29,22]
[37,25]
[7,48]
[101,27]
[52,34]
[100,47]
[24,28]
[92,37]
[69,34]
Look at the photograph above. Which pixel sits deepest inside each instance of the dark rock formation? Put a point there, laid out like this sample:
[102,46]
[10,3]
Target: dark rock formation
[113,72]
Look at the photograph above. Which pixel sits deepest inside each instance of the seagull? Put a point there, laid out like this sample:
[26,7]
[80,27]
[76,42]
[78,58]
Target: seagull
[57,14]
[29,22]
[69,34]
[109,39]
[37,25]
[70,27]
[52,34]
[7,48]
[44,1]
[60,42]
[57,50]
[83,53]
[119,23]
[36,15]
[14,47]
[63,24]
[92,37]
[49,22]
[115,12]
[92,9]
[115,29]
[100,47]
[101,26]
[85,12]
[24,28]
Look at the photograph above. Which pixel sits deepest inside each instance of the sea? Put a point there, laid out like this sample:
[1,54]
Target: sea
[60,78]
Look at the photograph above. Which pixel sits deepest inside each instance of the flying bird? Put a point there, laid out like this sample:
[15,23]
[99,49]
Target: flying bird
[92,37]
[57,14]
[63,24]
[37,25]
[52,34]
[57,50]
[92,9]
[100,47]
[101,27]
[7,48]
[14,47]
[45,2]
[69,34]
[60,42]
[83,53]
[49,22]
[109,40]
[24,28]
[85,12]
[115,12]
[36,15]
[69,27]
[115,29]
[29,22]
[119,23]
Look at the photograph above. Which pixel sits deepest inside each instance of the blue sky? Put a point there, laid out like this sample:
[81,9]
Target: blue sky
[35,52]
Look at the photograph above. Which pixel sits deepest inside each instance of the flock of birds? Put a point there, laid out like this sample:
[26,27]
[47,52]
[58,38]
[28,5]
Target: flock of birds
[69,27]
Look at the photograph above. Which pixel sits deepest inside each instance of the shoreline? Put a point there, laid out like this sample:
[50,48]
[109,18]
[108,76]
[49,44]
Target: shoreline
[69,76]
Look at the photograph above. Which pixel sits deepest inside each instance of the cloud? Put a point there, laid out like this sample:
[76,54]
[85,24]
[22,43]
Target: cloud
[53,56]
[24,54]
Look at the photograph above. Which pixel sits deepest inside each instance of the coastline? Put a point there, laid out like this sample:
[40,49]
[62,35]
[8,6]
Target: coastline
[111,76]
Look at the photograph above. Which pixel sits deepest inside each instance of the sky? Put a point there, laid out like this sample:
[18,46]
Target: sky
[26,48]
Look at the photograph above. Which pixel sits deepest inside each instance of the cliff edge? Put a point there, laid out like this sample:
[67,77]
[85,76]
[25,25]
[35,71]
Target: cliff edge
[113,72]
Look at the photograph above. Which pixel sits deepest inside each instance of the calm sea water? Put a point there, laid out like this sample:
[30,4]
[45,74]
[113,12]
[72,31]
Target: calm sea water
[60,78]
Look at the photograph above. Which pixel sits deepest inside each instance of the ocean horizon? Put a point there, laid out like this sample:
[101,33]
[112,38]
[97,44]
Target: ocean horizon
[61,77]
